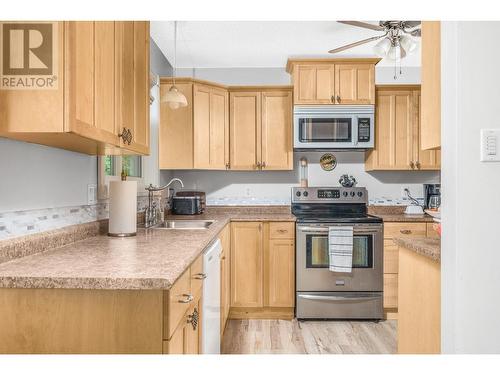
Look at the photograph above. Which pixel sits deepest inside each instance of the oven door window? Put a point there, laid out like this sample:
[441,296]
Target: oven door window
[317,255]
[325,130]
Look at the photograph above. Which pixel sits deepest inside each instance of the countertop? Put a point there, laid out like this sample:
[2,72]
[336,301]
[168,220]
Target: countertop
[396,214]
[428,247]
[153,259]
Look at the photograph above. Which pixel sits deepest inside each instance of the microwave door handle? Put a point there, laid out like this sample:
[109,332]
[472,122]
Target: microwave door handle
[355,128]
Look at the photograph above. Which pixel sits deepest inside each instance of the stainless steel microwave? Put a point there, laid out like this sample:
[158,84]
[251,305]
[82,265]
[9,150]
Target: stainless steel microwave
[334,127]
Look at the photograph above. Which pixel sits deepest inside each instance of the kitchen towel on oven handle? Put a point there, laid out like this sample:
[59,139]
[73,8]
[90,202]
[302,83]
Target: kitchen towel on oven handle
[340,248]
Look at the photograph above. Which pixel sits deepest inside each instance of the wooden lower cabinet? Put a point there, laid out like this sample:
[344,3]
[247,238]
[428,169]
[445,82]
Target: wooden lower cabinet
[419,315]
[225,281]
[262,270]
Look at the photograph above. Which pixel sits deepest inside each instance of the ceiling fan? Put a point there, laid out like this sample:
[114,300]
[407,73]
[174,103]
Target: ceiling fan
[398,38]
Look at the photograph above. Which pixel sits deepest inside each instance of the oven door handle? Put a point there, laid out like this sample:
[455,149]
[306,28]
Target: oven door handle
[325,230]
[337,298]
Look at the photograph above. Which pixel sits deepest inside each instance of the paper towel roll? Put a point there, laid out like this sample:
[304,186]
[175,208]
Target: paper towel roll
[122,208]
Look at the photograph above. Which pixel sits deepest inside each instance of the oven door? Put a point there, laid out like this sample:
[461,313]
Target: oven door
[312,264]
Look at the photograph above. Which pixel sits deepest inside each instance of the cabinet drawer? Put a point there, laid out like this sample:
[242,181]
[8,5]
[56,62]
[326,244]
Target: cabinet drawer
[431,232]
[177,303]
[197,275]
[281,230]
[391,252]
[390,290]
[392,230]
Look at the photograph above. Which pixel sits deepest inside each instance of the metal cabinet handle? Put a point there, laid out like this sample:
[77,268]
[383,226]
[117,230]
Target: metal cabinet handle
[223,258]
[333,99]
[282,231]
[227,165]
[338,98]
[126,135]
[405,231]
[258,165]
[263,165]
[193,318]
[418,164]
[412,165]
[200,276]
[189,298]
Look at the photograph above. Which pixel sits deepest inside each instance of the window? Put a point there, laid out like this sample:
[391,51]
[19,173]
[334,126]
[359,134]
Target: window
[110,169]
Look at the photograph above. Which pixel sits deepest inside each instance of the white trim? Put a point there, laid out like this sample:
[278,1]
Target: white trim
[103,180]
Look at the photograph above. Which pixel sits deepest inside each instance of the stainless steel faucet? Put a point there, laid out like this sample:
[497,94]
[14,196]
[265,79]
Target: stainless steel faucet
[152,213]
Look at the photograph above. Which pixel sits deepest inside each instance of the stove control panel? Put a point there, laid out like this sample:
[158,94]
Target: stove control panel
[329,195]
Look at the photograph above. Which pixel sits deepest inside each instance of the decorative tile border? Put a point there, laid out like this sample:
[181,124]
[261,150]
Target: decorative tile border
[20,223]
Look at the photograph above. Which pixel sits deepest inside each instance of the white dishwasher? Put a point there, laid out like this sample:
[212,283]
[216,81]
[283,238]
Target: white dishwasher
[210,323]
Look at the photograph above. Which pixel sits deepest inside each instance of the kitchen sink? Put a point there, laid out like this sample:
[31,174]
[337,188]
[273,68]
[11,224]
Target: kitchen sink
[185,224]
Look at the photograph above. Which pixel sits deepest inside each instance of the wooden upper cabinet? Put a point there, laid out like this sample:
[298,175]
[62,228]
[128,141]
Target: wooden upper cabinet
[397,132]
[102,85]
[431,85]
[245,127]
[355,83]
[246,264]
[314,84]
[211,127]
[333,81]
[276,134]
[132,57]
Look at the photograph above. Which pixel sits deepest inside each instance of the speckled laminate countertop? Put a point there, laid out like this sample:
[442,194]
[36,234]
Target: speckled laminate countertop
[428,247]
[154,259]
[396,214]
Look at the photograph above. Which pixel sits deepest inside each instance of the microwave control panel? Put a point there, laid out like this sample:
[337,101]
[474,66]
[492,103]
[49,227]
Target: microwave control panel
[364,130]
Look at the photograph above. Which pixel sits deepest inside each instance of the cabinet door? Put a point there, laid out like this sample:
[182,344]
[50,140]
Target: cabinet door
[201,126]
[424,159]
[176,344]
[280,273]
[246,264]
[79,60]
[393,131]
[354,84]
[219,129]
[431,85]
[314,84]
[245,123]
[133,84]
[192,334]
[225,276]
[277,130]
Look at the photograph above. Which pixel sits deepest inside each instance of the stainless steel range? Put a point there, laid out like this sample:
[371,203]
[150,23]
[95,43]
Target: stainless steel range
[320,293]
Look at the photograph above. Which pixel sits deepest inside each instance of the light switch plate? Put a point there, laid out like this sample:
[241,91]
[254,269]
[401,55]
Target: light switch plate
[490,144]
[91,194]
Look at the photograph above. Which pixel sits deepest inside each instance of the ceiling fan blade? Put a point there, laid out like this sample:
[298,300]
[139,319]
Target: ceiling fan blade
[365,25]
[358,43]
[411,24]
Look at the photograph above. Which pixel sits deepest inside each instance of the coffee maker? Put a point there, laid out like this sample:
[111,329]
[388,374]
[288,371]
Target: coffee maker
[429,191]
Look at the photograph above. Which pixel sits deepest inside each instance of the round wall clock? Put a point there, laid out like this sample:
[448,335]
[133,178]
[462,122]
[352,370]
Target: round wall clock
[328,162]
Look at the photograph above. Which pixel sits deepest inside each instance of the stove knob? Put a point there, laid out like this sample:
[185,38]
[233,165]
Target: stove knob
[360,194]
[297,194]
[353,193]
[344,193]
[305,194]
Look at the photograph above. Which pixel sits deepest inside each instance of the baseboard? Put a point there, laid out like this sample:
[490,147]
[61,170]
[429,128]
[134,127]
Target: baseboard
[391,313]
[238,313]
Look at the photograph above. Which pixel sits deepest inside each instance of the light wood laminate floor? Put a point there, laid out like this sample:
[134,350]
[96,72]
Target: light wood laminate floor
[309,337]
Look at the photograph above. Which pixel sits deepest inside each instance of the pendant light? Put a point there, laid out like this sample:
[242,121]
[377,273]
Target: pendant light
[173,96]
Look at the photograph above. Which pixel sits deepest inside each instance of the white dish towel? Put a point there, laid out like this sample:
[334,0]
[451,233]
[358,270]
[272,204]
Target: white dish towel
[340,247]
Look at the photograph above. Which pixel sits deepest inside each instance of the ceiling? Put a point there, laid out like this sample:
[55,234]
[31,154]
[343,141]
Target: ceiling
[231,44]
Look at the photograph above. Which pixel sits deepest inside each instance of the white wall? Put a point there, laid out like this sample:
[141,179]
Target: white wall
[34,176]
[470,189]
[275,186]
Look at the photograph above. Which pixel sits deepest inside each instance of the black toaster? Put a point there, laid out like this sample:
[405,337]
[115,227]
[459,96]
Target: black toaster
[188,203]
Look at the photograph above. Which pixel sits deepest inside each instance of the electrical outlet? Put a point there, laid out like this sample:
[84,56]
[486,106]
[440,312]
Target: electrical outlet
[247,192]
[403,192]
[91,194]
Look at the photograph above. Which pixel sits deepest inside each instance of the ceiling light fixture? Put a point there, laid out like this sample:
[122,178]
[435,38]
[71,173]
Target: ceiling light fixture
[173,96]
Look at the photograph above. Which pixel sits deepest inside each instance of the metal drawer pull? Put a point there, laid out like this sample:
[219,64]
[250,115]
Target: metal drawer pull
[200,276]
[188,299]
[193,318]
[126,136]
[405,231]
[338,298]
[282,231]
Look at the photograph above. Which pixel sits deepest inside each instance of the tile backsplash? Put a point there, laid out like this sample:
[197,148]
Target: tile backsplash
[20,223]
